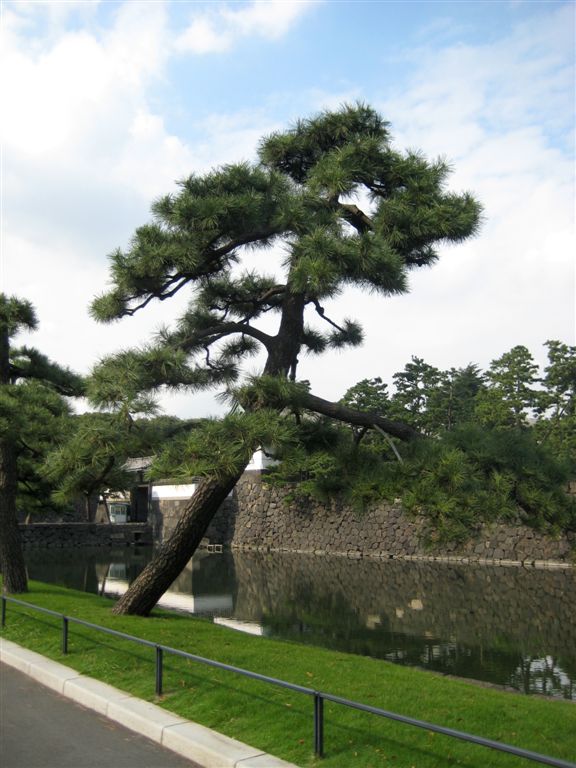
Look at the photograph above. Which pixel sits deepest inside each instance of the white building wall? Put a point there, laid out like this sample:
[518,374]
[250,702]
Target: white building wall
[173,491]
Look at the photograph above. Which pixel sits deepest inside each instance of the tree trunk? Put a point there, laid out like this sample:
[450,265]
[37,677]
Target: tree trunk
[11,555]
[143,594]
[168,563]
[285,346]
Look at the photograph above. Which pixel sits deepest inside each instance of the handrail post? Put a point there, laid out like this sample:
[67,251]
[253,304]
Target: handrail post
[318,724]
[64,635]
[158,670]
[3,610]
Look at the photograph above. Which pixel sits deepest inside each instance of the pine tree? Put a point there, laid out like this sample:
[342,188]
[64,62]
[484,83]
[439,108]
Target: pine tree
[306,195]
[556,425]
[452,401]
[31,404]
[511,396]
[414,387]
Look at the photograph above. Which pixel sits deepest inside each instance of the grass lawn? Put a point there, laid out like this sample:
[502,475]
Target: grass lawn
[281,722]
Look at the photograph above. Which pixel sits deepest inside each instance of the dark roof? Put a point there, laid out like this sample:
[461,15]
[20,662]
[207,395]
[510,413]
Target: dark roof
[138,464]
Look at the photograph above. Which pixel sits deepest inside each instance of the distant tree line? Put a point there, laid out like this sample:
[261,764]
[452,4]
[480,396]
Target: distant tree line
[498,445]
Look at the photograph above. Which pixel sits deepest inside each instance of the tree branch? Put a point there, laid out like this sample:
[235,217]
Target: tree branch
[208,361]
[212,263]
[356,217]
[320,311]
[101,477]
[398,429]
[257,303]
[250,237]
[221,331]
[161,295]
[25,445]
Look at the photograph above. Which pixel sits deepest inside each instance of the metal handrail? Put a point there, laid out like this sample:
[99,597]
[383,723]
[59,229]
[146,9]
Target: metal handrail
[319,697]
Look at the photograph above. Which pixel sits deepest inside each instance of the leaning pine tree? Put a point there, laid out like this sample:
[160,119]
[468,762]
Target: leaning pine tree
[346,209]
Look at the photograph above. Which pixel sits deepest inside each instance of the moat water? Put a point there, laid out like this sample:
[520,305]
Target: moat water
[514,627]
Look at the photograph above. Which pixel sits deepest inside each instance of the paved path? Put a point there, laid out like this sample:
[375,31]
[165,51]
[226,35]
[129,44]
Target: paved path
[42,729]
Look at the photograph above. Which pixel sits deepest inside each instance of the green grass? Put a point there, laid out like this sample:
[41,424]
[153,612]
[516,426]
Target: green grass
[280,722]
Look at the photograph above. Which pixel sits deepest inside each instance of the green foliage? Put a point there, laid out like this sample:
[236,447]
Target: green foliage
[270,392]
[452,401]
[88,458]
[482,461]
[295,195]
[90,454]
[463,478]
[30,364]
[414,386]
[512,395]
[122,381]
[33,416]
[222,448]
[474,475]
[297,151]
[560,378]
[33,406]
[368,395]
[15,315]
[556,425]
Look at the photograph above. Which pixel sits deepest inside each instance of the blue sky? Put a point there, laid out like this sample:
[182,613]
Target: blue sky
[107,104]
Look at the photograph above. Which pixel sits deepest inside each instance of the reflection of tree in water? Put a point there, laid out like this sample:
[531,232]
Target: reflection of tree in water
[506,626]
[544,675]
[206,574]
[85,569]
[343,630]
[479,623]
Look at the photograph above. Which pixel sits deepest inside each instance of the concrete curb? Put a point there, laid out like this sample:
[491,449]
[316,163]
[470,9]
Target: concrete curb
[195,742]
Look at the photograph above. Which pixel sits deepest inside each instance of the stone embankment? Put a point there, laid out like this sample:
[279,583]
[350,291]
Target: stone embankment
[58,535]
[259,518]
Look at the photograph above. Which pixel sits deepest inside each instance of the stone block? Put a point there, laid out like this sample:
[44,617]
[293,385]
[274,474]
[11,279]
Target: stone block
[264,761]
[51,674]
[210,749]
[19,658]
[92,693]
[143,717]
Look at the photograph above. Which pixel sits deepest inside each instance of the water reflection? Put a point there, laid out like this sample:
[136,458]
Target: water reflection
[509,626]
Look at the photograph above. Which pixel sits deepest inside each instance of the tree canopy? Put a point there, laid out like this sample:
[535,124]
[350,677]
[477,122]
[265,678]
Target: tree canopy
[345,208]
[302,195]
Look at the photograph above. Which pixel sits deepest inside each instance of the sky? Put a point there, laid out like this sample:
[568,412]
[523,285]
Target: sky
[106,105]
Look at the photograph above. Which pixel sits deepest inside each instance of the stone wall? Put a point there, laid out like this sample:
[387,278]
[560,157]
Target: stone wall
[165,513]
[58,535]
[258,518]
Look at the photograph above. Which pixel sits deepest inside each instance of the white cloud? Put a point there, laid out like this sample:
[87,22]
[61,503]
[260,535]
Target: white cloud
[84,154]
[218,30]
[201,37]
[86,149]
[270,19]
[500,112]
[82,86]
